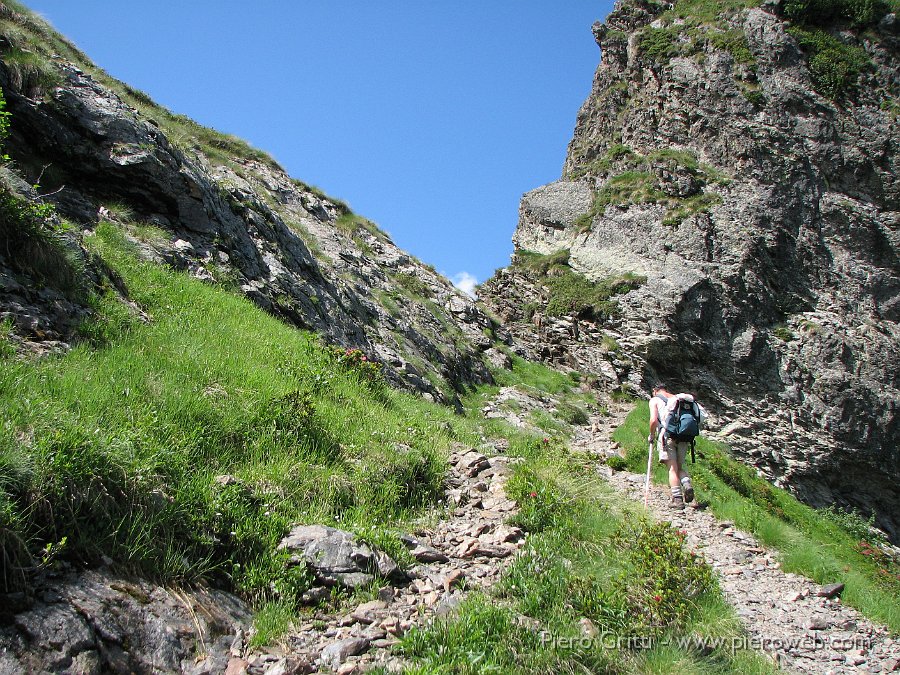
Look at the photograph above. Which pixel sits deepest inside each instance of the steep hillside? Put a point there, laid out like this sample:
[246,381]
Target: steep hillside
[229,214]
[742,158]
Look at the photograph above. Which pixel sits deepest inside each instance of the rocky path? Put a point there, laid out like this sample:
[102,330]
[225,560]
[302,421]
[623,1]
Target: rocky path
[467,548]
[803,626]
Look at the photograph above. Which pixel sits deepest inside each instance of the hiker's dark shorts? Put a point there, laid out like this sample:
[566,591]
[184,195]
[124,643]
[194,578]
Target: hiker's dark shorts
[672,449]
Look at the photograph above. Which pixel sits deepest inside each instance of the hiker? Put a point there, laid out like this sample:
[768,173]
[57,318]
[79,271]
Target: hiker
[673,452]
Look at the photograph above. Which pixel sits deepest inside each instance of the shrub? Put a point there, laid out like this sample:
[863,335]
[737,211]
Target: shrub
[784,333]
[413,285]
[30,72]
[834,67]
[663,579]
[571,413]
[700,203]
[616,463]
[541,503]
[659,44]
[355,361]
[826,12]
[37,244]
[735,43]
[755,96]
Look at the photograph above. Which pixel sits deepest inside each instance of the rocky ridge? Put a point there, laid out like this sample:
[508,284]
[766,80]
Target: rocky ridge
[207,203]
[764,216]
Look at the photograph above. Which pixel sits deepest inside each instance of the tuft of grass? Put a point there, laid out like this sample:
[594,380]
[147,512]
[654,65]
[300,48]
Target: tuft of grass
[685,208]
[784,333]
[659,44]
[571,293]
[31,72]
[271,621]
[38,244]
[640,184]
[809,542]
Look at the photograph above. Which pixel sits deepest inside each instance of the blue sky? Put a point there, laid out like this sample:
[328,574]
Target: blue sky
[431,118]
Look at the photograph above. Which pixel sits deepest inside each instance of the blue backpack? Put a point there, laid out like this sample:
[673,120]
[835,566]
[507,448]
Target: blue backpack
[683,424]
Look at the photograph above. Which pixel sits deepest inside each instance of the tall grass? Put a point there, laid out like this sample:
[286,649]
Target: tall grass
[809,542]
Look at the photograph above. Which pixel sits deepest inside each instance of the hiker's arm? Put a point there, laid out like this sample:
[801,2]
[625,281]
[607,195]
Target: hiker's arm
[654,421]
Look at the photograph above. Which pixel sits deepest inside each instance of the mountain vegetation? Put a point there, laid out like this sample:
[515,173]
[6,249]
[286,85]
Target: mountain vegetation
[199,354]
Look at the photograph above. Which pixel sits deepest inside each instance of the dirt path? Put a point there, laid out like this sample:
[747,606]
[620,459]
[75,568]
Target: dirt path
[785,615]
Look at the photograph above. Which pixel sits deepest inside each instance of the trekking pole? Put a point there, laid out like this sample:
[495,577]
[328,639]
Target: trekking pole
[647,482]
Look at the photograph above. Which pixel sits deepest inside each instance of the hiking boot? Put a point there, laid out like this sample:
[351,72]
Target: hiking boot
[678,503]
[688,490]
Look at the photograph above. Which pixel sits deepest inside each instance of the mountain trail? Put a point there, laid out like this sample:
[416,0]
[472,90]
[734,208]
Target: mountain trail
[467,547]
[789,617]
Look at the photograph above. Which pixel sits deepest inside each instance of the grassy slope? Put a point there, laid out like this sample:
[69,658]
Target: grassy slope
[812,543]
[115,449]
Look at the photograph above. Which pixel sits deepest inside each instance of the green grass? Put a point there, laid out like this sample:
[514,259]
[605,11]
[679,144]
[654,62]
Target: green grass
[271,621]
[589,556]
[857,13]
[706,12]
[702,23]
[116,448]
[639,183]
[809,542]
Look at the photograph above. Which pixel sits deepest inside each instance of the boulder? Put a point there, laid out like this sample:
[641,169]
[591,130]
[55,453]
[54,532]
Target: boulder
[337,557]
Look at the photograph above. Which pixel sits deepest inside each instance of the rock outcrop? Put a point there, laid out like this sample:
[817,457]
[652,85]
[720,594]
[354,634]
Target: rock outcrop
[98,622]
[762,205]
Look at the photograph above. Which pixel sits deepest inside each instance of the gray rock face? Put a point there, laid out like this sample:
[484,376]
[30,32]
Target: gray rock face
[94,622]
[768,227]
[336,557]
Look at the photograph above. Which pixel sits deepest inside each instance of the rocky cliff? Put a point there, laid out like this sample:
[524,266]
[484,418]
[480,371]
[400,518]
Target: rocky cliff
[742,158]
[207,203]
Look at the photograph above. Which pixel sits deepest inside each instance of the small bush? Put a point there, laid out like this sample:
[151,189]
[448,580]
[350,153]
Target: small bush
[663,579]
[413,285]
[540,501]
[700,203]
[572,414]
[616,463]
[37,244]
[30,72]
[858,13]
[755,96]
[834,67]
[355,361]
[659,44]
[784,333]
[735,43]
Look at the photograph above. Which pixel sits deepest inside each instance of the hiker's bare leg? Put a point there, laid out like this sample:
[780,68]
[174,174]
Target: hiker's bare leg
[675,472]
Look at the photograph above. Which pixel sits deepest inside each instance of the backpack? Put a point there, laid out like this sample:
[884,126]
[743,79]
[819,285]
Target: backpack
[683,423]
